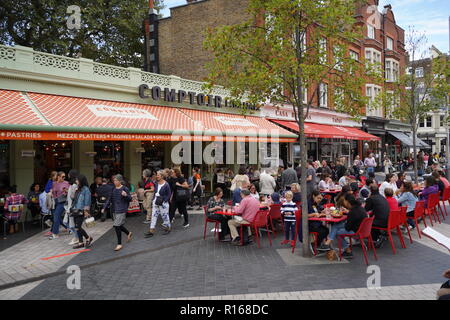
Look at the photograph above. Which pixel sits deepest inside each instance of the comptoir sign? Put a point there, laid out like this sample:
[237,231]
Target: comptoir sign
[192,98]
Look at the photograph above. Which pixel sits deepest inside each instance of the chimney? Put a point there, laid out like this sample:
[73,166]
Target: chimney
[151,63]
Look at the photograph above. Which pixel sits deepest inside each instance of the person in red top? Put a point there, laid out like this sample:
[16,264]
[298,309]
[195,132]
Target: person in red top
[248,208]
[393,204]
[444,179]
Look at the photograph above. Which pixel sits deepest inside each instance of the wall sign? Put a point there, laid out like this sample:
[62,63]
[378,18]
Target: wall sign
[190,97]
[130,113]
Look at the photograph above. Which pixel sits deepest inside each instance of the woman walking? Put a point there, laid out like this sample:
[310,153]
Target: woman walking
[59,193]
[68,218]
[180,196]
[160,205]
[80,209]
[119,200]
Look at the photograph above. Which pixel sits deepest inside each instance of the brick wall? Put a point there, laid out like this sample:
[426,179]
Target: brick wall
[181,36]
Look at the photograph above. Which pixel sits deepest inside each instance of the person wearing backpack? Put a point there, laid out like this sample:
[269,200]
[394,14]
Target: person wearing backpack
[119,200]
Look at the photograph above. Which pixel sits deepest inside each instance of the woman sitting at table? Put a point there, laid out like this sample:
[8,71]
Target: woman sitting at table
[407,197]
[439,182]
[326,183]
[354,218]
[215,204]
[263,203]
[253,192]
[340,198]
[315,210]
[430,188]
[295,189]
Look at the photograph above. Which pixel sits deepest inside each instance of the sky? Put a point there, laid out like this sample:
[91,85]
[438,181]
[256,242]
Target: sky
[428,16]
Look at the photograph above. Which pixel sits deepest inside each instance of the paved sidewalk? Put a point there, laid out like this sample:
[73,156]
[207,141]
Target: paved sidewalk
[413,292]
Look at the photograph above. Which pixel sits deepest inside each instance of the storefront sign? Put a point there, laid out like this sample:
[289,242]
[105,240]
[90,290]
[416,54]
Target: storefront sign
[193,98]
[120,112]
[27,135]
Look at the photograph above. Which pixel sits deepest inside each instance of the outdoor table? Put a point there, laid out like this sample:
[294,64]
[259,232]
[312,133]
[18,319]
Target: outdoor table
[333,220]
[335,191]
[226,213]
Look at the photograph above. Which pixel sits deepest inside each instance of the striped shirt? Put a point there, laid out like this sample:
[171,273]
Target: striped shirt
[288,209]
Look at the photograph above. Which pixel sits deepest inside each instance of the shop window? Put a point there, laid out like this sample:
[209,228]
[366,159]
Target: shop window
[4,166]
[51,156]
[153,157]
[109,158]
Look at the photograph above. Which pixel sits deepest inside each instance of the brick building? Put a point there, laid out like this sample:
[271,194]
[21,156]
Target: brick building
[181,53]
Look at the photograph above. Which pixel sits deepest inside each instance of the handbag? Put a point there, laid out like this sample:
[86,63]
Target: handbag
[159,201]
[182,194]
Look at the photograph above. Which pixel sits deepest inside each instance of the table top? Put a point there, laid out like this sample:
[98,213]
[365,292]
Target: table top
[225,213]
[330,191]
[324,219]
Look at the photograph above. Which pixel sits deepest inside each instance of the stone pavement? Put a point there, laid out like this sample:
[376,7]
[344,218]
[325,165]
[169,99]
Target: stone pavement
[182,264]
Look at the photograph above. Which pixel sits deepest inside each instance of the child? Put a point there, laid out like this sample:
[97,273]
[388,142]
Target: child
[288,210]
[393,204]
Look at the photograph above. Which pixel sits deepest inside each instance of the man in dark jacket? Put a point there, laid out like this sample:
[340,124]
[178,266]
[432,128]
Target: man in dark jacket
[380,208]
[340,169]
[103,193]
[288,177]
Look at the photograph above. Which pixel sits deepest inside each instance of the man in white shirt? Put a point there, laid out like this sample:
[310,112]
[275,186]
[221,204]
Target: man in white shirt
[267,183]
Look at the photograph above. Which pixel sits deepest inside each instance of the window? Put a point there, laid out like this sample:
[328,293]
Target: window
[305,95]
[337,54]
[408,70]
[323,51]
[389,43]
[441,121]
[429,121]
[370,31]
[373,56]
[354,55]
[372,91]
[391,70]
[419,72]
[323,95]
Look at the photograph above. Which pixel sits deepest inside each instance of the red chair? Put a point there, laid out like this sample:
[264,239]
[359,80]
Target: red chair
[393,223]
[298,204]
[446,197]
[404,221]
[216,224]
[275,215]
[298,217]
[328,198]
[419,212]
[362,233]
[430,211]
[260,222]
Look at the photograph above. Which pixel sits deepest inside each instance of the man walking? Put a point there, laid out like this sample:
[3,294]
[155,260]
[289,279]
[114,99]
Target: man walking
[370,163]
[288,177]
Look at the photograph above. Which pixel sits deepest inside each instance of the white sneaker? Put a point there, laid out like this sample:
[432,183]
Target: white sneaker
[73,242]
[53,236]
[48,223]
[216,230]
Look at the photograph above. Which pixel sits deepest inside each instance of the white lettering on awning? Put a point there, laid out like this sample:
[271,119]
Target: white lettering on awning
[120,112]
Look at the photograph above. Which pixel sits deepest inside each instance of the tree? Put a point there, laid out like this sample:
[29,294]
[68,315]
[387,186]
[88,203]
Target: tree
[288,47]
[111,30]
[415,97]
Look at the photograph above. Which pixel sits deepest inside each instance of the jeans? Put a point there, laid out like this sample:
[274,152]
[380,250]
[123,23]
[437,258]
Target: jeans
[162,210]
[58,217]
[370,169]
[337,229]
[289,230]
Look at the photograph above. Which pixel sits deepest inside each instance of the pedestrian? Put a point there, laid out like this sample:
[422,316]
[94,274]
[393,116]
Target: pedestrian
[149,193]
[119,200]
[68,218]
[160,205]
[14,208]
[180,196]
[79,210]
[311,179]
[288,177]
[357,165]
[370,163]
[49,184]
[267,183]
[103,193]
[387,163]
[197,189]
[45,209]
[60,189]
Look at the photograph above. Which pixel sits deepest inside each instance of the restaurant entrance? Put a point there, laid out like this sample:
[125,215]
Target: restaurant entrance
[51,156]
[109,158]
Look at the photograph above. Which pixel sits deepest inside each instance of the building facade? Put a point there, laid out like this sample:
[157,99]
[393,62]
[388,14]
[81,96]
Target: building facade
[382,41]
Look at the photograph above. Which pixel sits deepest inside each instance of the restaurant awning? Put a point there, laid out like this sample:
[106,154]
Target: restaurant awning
[407,140]
[50,117]
[315,130]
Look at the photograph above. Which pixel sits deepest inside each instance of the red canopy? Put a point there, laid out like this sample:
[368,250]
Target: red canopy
[315,130]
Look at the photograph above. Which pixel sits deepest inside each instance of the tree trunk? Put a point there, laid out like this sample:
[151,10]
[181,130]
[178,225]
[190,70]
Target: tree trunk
[303,164]
[415,156]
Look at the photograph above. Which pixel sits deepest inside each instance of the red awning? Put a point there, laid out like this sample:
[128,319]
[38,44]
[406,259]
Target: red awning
[314,130]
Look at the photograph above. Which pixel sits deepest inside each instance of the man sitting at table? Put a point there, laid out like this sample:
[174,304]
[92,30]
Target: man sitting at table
[380,208]
[364,193]
[355,216]
[248,208]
